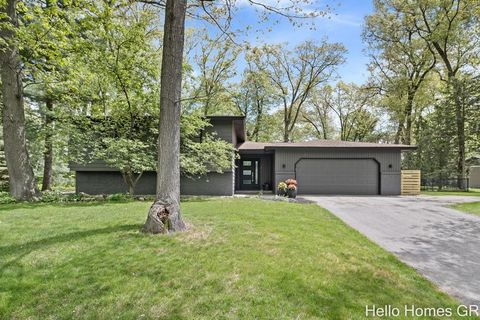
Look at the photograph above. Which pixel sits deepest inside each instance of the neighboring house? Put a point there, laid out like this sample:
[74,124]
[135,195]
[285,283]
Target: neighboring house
[320,167]
[474,177]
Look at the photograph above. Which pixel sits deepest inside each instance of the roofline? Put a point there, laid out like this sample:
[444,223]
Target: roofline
[226,117]
[379,146]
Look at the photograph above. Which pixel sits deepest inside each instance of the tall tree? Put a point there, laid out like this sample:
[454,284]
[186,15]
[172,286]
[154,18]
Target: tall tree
[449,29]
[254,99]
[22,180]
[400,62]
[351,106]
[48,150]
[164,215]
[294,74]
[318,114]
[215,64]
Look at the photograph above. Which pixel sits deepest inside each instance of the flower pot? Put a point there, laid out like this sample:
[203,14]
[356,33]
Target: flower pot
[292,193]
[281,192]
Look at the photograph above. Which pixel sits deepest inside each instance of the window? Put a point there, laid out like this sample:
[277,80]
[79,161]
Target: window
[247,163]
[247,172]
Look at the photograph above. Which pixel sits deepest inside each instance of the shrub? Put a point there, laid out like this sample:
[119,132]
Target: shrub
[53,196]
[6,198]
[119,197]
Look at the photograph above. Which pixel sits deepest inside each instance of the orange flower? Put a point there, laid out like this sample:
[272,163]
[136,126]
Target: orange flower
[291,181]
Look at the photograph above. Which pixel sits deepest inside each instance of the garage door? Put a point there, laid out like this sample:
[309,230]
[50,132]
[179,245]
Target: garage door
[337,176]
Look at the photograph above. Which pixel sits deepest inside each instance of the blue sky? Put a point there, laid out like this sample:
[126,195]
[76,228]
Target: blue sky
[343,25]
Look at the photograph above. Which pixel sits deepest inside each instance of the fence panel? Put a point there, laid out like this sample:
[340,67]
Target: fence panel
[411,182]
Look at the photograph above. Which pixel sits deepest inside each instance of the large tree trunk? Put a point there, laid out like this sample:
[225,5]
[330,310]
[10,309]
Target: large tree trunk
[48,151]
[164,215]
[22,179]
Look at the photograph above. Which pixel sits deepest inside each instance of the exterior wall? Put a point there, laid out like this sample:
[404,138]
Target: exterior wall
[286,158]
[98,178]
[109,182]
[474,177]
[212,184]
[223,129]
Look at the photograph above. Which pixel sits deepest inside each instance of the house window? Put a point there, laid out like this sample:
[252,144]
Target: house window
[247,163]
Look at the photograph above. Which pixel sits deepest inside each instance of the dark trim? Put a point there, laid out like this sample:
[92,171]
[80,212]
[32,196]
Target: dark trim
[374,159]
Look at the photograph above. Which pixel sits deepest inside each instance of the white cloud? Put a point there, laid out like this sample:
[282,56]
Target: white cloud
[343,19]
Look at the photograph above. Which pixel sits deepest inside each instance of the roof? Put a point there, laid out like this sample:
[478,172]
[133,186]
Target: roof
[226,117]
[249,145]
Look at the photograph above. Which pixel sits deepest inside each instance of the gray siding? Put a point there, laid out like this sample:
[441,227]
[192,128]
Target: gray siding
[286,158]
[110,182]
[101,182]
[214,184]
[223,129]
[98,178]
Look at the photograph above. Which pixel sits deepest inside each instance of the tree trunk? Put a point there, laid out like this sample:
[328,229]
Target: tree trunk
[398,134]
[460,121]
[131,181]
[407,138]
[286,133]
[408,116]
[48,152]
[22,179]
[164,215]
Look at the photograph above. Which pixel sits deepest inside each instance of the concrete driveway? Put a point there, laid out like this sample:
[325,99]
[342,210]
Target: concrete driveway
[441,243]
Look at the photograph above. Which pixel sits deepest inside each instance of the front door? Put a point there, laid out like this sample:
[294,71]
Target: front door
[250,174]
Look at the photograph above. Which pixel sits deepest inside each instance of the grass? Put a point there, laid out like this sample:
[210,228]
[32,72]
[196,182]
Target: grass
[471,192]
[240,259]
[469,207]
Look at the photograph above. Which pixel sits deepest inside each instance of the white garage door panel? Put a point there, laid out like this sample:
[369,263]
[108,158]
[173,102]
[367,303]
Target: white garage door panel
[337,176]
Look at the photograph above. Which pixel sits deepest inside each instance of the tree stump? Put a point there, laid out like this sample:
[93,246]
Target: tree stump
[163,218]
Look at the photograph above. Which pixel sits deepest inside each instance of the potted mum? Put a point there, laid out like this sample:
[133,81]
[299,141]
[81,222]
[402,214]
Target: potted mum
[282,189]
[292,191]
[291,188]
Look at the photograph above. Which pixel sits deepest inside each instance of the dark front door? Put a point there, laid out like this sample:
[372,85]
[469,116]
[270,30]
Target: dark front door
[250,174]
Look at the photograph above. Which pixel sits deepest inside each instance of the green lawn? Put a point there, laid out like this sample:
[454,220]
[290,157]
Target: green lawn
[471,192]
[241,259]
[469,207]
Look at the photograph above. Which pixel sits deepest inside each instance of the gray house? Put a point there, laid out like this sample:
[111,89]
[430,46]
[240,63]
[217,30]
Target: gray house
[320,167]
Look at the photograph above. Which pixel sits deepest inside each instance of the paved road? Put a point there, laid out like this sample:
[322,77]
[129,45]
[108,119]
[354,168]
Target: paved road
[441,243]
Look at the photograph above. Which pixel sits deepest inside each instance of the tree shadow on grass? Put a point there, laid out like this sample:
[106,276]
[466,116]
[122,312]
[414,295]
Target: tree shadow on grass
[352,291]
[195,198]
[21,250]
[36,205]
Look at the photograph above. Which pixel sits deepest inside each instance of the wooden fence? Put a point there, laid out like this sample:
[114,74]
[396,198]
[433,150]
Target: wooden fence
[411,182]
